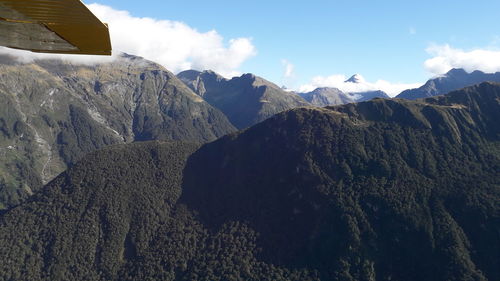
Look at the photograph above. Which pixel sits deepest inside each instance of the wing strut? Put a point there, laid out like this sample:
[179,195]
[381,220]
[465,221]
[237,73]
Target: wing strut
[52,26]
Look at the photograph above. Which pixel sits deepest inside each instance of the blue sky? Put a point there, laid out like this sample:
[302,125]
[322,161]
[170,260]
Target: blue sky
[312,43]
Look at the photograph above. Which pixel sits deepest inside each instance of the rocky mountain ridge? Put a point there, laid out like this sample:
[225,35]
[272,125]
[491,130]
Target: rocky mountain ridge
[246,100]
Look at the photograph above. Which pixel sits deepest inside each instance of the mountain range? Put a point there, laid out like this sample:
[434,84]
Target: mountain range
[54,112]
[453,80]
[325,96]
[245,100]
[377,190]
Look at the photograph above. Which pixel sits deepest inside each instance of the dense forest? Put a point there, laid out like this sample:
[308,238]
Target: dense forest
[378,190]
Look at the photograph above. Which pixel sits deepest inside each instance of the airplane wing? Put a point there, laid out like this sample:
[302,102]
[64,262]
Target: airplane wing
[52,26]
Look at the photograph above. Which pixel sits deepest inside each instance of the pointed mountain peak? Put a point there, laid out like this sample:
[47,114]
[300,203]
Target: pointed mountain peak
[356,78]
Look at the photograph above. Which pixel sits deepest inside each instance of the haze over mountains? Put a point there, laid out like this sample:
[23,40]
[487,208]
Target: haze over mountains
[377,190]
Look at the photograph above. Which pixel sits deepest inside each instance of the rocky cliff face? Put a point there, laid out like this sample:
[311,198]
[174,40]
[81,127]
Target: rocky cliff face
[53,112]
[246,100]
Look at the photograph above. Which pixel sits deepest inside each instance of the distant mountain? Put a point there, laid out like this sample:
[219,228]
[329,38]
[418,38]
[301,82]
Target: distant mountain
[364,95]
[378,190]
[54,112]
[369,95]
[327,96]
[356,78]
[453,80]
[245,100]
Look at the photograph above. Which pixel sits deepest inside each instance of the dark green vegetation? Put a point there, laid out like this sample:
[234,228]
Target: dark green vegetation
[453,80]
[91,220]
[52,113]
[246,100]
[379,190]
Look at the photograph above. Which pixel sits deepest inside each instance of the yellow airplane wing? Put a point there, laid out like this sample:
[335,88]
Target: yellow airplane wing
[52,26]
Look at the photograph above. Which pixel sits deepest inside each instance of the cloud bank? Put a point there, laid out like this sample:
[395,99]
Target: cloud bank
[338,81]
[446,57]
[172,44]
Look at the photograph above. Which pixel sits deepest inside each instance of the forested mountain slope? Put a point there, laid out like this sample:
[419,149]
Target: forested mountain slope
[379,190]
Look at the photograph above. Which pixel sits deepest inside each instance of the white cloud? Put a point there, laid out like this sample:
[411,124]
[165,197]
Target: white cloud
[338,81]
[289,69]
[27,57]
[289,78]
[446,57]
[172,44]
